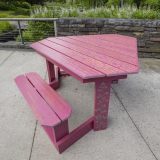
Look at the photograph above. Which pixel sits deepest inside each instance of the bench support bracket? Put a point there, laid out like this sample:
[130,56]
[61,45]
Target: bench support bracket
[62,139]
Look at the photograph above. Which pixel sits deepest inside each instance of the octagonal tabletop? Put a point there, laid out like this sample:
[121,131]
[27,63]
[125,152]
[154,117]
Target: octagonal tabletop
[91,56]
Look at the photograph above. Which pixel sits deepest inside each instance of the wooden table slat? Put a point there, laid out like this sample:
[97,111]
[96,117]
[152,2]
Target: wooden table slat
[103,58]
[113,46]
[77,69]
[120,39]
[100,50]
[101,46]
[90,57]
[108,70]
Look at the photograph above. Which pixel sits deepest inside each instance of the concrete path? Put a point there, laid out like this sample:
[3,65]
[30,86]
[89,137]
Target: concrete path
[134,116]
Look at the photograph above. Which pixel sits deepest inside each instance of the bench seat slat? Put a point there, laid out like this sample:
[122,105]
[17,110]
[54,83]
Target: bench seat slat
[60,107]
[40,108]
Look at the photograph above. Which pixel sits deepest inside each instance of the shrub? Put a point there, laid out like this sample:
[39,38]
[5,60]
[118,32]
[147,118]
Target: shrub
[71,12]
[127,11]
[27,37]
[113,3]
[152,3]
[124,12]
[3,6]
[25,5]
[5,26]
[37,30]
[22,11]
[146,14]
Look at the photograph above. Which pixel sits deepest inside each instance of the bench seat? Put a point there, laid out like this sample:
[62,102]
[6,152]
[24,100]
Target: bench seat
[51,110]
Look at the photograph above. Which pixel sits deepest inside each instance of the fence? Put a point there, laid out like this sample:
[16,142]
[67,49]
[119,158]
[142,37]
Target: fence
[21,27]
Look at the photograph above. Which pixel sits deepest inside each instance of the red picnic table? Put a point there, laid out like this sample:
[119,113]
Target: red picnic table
[94,58]
[101,59]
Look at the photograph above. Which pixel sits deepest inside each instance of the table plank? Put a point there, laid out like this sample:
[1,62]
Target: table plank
[40,108]
[55,102]
[108,70]
[121,39]
[123,49]
[103,58]
[87,44]
[69,65]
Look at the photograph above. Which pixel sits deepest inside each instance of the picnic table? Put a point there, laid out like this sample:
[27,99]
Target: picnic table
[102,59]
[94,58]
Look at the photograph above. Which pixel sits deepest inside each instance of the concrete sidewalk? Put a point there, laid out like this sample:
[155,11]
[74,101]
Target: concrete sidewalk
[134,115]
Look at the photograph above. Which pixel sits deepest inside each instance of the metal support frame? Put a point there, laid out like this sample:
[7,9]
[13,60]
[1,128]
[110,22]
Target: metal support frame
[55,28]
[20,32]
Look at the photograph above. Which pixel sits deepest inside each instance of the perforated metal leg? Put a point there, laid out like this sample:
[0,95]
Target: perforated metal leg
[102,95]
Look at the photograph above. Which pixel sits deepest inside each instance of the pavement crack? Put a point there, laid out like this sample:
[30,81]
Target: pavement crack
[7,58]
[147,144]
[34,134]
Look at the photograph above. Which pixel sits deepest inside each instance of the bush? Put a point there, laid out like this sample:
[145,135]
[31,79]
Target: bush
[5,26]
[27,37]
[17,6]
[146,14]
[25,5]
[127,11]
[22,11]
[3,6]
[113,3]
[152,3]
[37,30]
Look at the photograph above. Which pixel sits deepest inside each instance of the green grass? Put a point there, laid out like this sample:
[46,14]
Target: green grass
[5,26]
[11,14]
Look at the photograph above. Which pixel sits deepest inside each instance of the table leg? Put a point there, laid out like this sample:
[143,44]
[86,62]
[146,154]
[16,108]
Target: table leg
[102,95]
[53,75]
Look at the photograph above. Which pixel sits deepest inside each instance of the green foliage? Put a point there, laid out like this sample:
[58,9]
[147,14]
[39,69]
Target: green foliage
[87,3]
[3,15]
[19,7]
[3,6]
[118,2]
[127,11]
[22,11]
[146,14]
[27,37]
[24,5]
[11,14]
[24,1]
[41,2]
[37,30]
[113,3]
[152,3]
[5,26]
